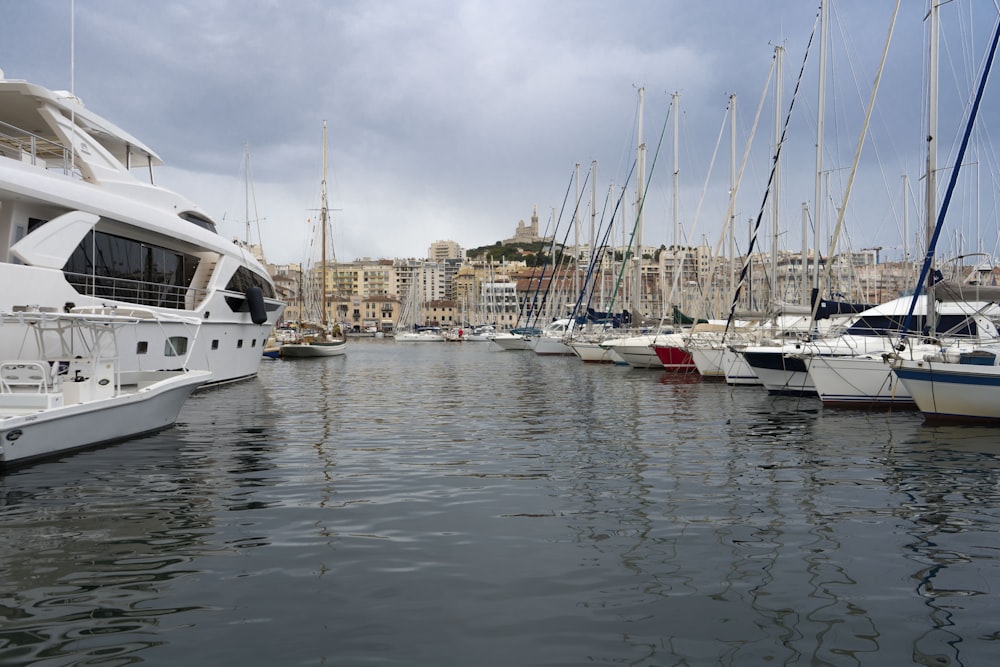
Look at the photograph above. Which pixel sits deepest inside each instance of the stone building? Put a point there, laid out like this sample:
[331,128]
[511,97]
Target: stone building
[527,233]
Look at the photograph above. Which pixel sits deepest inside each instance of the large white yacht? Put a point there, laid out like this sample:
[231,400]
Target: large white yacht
[83,227]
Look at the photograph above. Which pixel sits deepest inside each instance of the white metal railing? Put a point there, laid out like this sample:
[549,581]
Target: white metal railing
[23,145]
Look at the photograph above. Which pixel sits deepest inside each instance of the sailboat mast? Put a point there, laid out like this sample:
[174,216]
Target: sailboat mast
[776,294]
[323,216]
[640,190]
[732,190]
[679,256]
[576,232]
[820,113]
[675,99]
[589,285]
[930,205]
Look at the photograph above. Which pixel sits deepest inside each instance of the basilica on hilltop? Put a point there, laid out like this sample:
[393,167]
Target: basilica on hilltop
[526,233]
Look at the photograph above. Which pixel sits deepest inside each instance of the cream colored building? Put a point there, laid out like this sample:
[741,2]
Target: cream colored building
[439,251]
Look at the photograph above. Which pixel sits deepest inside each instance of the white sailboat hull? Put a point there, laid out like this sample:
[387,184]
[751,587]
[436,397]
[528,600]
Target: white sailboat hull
[708,361]
[949,391]
[551,345]
[865,380]
[737,370]
[511,342]
[592,352]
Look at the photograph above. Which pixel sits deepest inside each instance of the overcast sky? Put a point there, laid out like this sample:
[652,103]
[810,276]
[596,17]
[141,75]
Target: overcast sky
[451,120]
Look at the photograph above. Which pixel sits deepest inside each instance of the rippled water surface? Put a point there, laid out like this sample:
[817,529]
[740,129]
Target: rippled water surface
[439,504]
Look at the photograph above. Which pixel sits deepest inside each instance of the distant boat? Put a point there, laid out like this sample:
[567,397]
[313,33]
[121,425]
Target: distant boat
[551,340]
[637,351]
[671,350]
[66,390]
[516,339]
[587,345]
[422,335]
[323,342]
[318,345]
[482,333]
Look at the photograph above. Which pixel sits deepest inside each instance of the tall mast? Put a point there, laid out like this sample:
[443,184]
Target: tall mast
[576,232]
[732,190]
[678,263]
[323,215]
[906,220]
[820,108]
[779,53]
[677,171]
[640,190]
[593,222]
[930,205]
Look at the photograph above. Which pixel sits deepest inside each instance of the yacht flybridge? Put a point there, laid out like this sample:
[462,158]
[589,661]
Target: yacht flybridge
[83,228]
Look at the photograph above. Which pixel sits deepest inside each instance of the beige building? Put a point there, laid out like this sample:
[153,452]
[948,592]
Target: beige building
[440,251]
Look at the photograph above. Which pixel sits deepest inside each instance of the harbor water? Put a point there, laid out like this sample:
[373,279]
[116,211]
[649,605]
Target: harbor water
[450,504]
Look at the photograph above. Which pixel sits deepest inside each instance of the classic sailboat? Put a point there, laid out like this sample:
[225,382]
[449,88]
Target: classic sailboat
[322,343]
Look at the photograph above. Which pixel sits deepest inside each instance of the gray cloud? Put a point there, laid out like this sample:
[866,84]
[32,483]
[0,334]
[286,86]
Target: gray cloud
[452,119]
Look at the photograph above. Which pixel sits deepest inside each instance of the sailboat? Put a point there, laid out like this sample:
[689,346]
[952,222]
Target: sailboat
[952,384]
[322,343]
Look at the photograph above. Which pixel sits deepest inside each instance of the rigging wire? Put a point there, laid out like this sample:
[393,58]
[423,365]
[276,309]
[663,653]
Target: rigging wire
[770,181]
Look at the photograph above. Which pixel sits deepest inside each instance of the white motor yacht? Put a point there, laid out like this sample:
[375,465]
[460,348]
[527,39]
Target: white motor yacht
[84,228]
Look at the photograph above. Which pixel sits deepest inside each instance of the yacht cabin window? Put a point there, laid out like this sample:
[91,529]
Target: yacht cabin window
[115,267]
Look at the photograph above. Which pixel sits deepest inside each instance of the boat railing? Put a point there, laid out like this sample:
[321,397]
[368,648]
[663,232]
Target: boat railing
[140,292]
[28,147]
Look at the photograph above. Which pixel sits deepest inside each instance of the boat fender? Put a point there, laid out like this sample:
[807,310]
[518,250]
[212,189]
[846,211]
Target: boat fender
[255,300]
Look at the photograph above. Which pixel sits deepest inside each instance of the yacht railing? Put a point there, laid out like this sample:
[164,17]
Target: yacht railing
[25,146]
[139,292]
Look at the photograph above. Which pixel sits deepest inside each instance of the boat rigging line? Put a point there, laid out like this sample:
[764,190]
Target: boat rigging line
[770,182]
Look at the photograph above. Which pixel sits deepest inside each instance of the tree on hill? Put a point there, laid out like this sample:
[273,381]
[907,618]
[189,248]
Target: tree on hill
[532,254]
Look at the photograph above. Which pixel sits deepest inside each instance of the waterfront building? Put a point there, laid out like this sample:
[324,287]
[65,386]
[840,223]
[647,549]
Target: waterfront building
[369,294]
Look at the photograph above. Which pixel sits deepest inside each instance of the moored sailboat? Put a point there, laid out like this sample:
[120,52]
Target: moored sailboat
[323,342]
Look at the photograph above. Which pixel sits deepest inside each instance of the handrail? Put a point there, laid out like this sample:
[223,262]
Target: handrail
[33,146]
[141,292]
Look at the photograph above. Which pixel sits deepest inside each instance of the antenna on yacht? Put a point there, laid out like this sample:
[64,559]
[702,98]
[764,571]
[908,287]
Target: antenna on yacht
[72,47]
[72,79]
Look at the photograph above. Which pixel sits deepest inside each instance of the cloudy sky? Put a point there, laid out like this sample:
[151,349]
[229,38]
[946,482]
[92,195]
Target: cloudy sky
[453,119]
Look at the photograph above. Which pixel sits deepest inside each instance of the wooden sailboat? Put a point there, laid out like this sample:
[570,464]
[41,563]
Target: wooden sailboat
[322,343]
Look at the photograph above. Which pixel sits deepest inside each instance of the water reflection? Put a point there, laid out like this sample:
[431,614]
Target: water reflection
[451,505]
[948,477]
